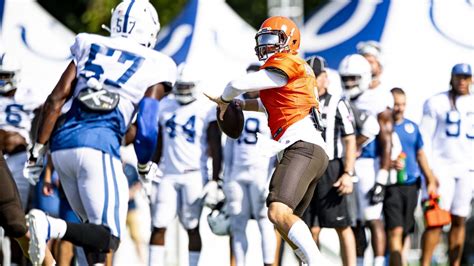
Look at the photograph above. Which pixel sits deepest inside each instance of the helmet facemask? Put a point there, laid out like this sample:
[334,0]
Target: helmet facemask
[185,92]
[270,42]
[8,81]
[9,72]
[356,75]
[352,86]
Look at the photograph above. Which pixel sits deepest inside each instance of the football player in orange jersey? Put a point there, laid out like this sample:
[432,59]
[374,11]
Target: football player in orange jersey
[287,88]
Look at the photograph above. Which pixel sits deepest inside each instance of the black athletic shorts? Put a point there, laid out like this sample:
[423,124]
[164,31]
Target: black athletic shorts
[296,176]
[327,208]
[12,217]
[399,206]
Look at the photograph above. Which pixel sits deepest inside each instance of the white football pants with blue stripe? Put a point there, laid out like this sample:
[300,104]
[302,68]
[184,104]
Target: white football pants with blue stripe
[95,186]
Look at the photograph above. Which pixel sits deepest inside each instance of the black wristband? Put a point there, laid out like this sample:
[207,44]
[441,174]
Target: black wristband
[222,99]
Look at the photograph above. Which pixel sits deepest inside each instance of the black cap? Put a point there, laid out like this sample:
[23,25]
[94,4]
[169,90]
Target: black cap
[318,64]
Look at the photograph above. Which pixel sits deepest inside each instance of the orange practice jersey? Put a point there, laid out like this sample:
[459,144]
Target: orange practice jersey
[291,103]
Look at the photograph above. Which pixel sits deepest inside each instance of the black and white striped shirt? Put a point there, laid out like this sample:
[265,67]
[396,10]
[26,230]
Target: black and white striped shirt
[338,120]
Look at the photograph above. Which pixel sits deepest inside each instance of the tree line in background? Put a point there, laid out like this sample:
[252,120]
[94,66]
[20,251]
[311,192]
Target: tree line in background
[89,15]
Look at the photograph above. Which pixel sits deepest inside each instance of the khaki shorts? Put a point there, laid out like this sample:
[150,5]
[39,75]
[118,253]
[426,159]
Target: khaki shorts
[297,175]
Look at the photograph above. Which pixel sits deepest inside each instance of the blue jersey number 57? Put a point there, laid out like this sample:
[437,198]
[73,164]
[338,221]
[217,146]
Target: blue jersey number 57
[98,70]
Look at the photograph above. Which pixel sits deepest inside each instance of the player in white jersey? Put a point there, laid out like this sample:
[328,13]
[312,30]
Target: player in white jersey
[16,115]
[246,185]
[189,132]
[373,162]
[448,129]
[108,79]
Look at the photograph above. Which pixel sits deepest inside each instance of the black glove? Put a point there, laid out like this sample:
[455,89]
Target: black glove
[377,194]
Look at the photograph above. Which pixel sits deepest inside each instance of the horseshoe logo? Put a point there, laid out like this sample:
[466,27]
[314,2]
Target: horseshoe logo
[25,41]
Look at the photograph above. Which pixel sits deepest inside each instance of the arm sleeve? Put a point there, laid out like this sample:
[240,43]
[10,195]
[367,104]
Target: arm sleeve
[147,129]
[260,80]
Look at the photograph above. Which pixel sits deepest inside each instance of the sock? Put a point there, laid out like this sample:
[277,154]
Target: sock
[239,242]
[300,235]
[98,237]
[360,261]
[194,257]
[268,240]
[379,261]
[157,255]
[57,227]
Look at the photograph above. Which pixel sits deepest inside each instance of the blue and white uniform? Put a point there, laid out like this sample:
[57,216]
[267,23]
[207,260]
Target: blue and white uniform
[447,127]
[184,132]
[85,149]
[246,186]
[373,102]
[16,116]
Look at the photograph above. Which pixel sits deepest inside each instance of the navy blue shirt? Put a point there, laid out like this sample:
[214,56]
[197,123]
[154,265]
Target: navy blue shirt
[412,142]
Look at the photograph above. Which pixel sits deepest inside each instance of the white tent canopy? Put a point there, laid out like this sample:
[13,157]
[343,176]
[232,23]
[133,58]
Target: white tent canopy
[212,39]
[421,40]
[40,42]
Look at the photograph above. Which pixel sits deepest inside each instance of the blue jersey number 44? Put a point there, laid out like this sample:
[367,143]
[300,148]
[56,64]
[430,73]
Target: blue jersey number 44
[188,128]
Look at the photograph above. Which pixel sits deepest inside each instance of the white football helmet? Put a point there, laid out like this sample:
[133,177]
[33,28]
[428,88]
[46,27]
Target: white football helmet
[219,220]
[137,20]
[186,88]
[370,47]
[9,72]
[356,75]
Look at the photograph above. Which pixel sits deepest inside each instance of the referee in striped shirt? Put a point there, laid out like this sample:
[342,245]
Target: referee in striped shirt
[329,207]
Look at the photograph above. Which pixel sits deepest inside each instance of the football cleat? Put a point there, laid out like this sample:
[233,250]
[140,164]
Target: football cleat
[38,227]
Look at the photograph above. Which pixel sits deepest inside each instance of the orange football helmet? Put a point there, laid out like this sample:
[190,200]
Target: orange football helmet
[277,34]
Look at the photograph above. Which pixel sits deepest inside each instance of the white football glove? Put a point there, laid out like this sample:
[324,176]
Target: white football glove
[35,164]
[147,173]
[212,193]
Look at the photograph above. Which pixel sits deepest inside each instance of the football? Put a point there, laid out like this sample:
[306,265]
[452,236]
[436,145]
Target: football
[233,122]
